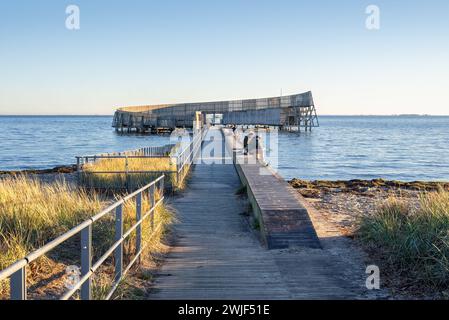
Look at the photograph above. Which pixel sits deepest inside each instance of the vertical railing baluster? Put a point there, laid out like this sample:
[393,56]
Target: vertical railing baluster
[162,186]
[192,147]
[152,203]
[86,262]
[18,285]
[139,227]
[128,187]
[178,159]
[118,236]
[78,169]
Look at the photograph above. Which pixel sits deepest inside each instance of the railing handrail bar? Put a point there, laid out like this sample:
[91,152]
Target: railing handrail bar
[187,160]
[192,151]
[5,273]
[193,141]
[127,151]
[136,172]
[122,157]
[111,250]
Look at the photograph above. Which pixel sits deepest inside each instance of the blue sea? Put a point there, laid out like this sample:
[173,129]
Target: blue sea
[343,147]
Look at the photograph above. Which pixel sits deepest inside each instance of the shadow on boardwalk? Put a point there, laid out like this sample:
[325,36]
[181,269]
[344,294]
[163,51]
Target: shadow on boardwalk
[215,254]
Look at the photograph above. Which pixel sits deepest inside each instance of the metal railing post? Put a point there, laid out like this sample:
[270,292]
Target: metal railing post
[192,148]
[118,254]
[162,186]
[152,203]
[128,187]
[139,227]
[17,272]
[18,285]
[86,262]
[178,159]
[78,169]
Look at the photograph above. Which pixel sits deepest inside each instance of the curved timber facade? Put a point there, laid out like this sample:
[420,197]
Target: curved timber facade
[287,112]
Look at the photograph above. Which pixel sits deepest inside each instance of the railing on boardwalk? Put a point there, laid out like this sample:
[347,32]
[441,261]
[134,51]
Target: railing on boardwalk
[17,272]
[181,156]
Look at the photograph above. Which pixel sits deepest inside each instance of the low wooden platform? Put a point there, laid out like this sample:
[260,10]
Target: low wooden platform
[284,221]
[217,256]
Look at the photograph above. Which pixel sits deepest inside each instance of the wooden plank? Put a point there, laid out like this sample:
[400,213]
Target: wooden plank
[285,221]
[216,256]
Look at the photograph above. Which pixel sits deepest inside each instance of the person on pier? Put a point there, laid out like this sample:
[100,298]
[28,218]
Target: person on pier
[246,142]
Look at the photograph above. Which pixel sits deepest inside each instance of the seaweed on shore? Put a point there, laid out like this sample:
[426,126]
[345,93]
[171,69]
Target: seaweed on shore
[59,169]
[314,189]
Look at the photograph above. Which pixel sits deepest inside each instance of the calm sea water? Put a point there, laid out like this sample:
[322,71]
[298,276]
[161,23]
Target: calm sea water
[46,142]
[401,148]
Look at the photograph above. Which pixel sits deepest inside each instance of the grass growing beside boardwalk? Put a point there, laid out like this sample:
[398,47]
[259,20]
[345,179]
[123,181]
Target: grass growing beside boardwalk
[33,213]
[412,241]
[92,179]
[134,164]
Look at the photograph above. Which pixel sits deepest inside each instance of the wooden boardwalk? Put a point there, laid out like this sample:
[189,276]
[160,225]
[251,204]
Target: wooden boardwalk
[284,221]
[217,256]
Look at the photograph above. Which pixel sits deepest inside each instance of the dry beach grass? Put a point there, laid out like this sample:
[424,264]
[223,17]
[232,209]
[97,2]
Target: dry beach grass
[411,241]
[100,174]
[403,227]
[33,213]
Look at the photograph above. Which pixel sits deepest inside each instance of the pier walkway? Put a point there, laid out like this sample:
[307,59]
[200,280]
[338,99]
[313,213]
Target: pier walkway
[217,255]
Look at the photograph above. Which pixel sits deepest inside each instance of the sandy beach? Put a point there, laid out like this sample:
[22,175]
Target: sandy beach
[344,201]
[336,206]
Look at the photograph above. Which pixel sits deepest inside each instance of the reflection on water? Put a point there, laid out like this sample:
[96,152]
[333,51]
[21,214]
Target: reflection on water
[401,148]
[45,142]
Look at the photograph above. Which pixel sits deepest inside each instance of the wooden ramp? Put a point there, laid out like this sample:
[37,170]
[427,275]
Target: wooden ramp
[216,256]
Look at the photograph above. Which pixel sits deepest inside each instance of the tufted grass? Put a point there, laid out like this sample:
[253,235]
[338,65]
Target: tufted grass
[33,213]
[413,241]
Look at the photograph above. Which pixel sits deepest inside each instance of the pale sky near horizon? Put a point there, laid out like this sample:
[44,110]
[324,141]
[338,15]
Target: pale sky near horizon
[148,52]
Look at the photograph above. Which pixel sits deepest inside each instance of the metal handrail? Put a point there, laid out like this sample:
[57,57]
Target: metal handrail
[193,147]
[121,157]
[144,149]
[183,157]
[136,172]
[17,271]
[189,147]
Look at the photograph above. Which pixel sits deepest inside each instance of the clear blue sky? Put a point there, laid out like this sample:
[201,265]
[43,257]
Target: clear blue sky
[146,52]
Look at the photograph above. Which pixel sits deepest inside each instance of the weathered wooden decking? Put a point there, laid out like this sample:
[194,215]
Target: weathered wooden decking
[216,256]
[284,221]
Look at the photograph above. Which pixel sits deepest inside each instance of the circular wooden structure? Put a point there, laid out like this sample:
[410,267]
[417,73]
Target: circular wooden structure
[291,112]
